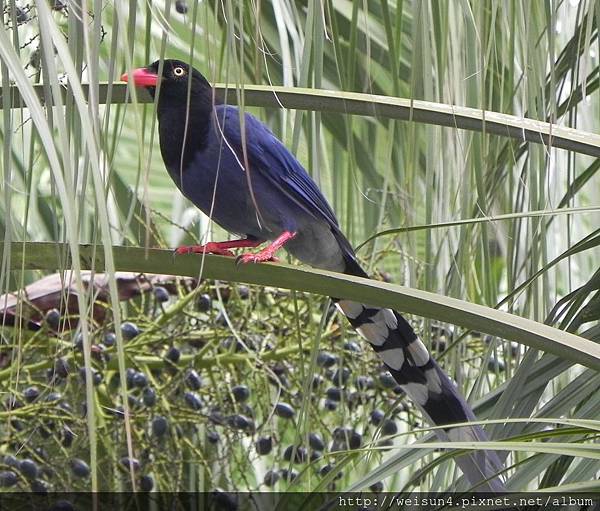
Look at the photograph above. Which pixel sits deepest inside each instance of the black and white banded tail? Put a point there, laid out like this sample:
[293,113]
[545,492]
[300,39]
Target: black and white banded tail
[424,381]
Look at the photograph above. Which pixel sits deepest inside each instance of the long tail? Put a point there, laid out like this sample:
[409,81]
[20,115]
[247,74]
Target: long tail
[424,381]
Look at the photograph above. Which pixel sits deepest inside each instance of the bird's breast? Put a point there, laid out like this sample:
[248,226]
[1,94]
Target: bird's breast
[215,183]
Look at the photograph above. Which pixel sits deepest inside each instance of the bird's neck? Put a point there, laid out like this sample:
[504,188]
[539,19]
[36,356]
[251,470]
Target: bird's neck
[183,131]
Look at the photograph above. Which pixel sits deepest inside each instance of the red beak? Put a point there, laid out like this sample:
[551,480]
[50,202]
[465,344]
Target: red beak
[141,77]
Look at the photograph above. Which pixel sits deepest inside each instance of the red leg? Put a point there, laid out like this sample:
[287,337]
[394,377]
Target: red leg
[218,247]
[268,253]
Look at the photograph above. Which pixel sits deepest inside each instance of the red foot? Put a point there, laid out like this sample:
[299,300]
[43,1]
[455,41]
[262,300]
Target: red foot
[209,248]
[259,257]
[268,253]
[219,247]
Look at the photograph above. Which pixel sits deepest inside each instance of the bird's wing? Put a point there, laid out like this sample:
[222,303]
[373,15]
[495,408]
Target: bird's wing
[267,155]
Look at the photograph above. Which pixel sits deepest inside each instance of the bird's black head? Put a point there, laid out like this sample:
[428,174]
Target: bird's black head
[184,121]
[174,80]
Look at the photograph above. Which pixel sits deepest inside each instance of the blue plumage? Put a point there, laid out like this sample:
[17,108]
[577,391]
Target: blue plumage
[253,186]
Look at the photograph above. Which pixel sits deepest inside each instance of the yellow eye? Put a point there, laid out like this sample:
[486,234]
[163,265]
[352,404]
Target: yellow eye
[178,71]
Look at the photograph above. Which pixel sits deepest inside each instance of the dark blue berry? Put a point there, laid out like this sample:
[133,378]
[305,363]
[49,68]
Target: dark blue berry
[325,469]
[97,378]
[53,319]
[39,486]
[355,440]
[149,396]
[240,393]
[193,379]
[376,487]
[240,422]
[334,394]
[8,478]
[133,401]
[330,405]
[288,475]
[161,294]
[271,477]
[284,410]
[110,339]
[53,396]
[29,468]
[279,369]
[389,427]
[67,437]
[65,406]
[181,6]
[125,463]
[244,292]
[160,426]
[212,437]
[386,380]
[316,442]
[325,359]
[140,380]
[264,445]
[173,354]
[203,303]
[193,400]
[297,454]
[377,416]
[341,376]
[11,461]
[80,468]
[316,381]
[357,398]
[61,368]
[129,376]
[78,342]
[347,438]
[364,383]
[146,483]
[216,417]
[352,346]
[129,330]
[30,394]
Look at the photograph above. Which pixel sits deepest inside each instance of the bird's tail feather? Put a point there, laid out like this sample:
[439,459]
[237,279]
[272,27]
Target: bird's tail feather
[424,381]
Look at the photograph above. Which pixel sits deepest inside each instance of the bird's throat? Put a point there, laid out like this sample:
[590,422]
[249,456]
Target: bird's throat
[183,133]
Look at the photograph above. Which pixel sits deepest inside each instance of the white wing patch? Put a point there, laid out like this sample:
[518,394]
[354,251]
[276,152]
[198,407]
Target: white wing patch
[375,333]
[418,352]
[388,317]
[433,381]
[417,392]
[393,358]
[350,309]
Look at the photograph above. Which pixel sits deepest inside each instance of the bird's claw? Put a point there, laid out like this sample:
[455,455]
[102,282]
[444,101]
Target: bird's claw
[201,249]
[259,257]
